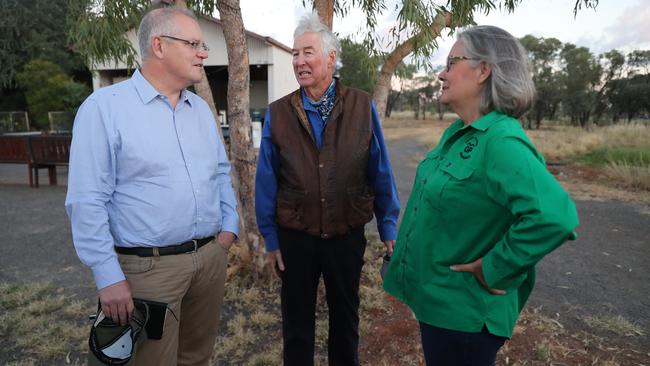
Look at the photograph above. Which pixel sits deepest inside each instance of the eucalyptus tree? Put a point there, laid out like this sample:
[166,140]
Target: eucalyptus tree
[544,55]
[404,74]
[629,96]
[99,33]
[613,65]
[640,61]
[419,25]
[581,73]
[358,68]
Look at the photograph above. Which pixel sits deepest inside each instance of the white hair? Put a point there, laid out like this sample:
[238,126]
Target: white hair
[311,23]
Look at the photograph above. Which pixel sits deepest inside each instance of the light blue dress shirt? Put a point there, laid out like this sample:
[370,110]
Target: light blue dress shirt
[143,174]
[380,178]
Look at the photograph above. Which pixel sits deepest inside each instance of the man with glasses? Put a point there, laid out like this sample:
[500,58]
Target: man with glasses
[150,200]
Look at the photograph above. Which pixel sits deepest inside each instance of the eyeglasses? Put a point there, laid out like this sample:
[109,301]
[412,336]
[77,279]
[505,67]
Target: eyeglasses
[458,58]
[196,46]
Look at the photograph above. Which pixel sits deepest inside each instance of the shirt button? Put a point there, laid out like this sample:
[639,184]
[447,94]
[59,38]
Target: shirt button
[320,165]
[324,236]
[448,165]
[322,199]
[200,219]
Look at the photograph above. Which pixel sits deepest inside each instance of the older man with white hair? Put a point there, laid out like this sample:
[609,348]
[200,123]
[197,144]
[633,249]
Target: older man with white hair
[323,171]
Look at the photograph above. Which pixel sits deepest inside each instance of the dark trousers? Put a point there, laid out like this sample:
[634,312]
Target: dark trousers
[445,347]
[339,260]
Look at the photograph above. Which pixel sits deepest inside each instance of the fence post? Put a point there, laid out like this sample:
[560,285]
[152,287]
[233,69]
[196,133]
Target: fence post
[51,119]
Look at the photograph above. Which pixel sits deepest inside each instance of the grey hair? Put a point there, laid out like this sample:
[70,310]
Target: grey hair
[311,23]
[510,88]
[157,22]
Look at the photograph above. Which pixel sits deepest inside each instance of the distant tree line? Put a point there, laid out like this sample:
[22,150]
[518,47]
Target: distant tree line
[572,83]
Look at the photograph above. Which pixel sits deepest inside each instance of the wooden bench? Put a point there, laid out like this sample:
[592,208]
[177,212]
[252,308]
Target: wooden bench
[49,152]
[17,150]
[38,152]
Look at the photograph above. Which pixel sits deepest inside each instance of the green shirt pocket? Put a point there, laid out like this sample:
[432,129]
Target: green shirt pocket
[447,182]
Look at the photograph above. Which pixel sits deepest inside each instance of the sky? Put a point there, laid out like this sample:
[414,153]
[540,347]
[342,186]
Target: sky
[615,24]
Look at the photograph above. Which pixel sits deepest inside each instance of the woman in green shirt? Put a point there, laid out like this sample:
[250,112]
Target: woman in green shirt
[483,210]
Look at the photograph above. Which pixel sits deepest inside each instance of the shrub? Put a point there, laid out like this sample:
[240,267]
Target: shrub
[47,88]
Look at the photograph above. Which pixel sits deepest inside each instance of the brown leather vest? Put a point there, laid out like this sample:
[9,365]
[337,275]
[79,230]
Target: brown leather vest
[326,192]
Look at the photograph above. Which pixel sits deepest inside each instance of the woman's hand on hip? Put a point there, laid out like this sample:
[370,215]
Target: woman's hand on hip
[476,268]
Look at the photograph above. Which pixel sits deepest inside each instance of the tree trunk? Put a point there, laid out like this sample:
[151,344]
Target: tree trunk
[382,88]
[242,154]
[203,90]
[325,11]
[391,103]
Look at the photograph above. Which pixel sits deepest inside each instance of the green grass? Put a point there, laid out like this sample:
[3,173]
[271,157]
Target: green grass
[632,156]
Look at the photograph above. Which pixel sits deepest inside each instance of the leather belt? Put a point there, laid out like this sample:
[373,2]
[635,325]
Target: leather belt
[189,246]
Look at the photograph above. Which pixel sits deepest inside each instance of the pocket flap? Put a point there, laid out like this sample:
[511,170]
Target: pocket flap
[457,169]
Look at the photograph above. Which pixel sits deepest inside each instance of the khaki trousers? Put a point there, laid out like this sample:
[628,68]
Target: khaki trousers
[192,285]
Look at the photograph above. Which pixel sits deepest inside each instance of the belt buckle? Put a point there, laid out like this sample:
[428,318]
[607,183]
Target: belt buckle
[196,246]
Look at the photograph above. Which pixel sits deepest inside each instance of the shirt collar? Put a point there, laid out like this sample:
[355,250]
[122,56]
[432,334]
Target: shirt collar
[487,121]
[147,92]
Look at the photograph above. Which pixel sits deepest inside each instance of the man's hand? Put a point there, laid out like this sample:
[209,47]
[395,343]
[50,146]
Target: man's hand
[117,302]
[274,259]
[390,244]
[225,239]
[476,268]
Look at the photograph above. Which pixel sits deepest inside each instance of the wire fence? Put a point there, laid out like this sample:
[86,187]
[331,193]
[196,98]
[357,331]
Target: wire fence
[14,121]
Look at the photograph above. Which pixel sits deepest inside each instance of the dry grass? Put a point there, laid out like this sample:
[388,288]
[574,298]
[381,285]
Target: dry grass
[543,340]
[557,142]
[554,141]
[252,323]
[253,328]
[41,325]
[427,132]
[632,177]
[614,323]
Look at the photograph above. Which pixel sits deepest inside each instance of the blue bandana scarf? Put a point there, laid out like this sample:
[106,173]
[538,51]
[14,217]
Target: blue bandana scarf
[326,103]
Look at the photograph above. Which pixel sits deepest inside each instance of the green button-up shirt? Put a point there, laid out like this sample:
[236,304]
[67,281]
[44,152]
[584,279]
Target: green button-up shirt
[482,192]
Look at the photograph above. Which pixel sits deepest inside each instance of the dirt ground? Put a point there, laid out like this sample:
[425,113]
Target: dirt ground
[602,275]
